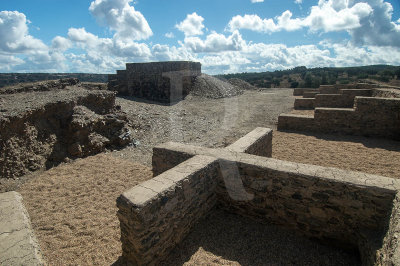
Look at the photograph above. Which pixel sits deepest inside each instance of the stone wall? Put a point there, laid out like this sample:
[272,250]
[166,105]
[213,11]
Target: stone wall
[157,81]
[378,117]
[159,213]
[304,103]
[339,207]
[257,142]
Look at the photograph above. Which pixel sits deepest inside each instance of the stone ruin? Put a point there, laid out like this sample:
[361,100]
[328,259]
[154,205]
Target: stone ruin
[354,109]
[165,82]
[54,121]
[353,210]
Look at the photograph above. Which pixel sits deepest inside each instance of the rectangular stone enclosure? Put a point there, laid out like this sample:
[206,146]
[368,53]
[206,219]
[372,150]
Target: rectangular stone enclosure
[165,82]
[350,209]
[375,117]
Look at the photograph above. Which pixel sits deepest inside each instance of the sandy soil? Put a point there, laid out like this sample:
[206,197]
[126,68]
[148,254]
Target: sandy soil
[73,211]
[302,112]
[369,155]
[72,206]
[226,239]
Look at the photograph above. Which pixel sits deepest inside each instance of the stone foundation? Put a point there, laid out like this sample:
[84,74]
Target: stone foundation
[349,209]
[18,243]
[165,82]
[377,117]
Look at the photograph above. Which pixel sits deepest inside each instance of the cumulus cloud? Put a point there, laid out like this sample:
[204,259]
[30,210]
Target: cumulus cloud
[378,28]
[298,1]
[215,42]
[192,25]
[107,54]
[327,16]
[257,1]
[14,35]
[61,44]
[336,15]
[121,17]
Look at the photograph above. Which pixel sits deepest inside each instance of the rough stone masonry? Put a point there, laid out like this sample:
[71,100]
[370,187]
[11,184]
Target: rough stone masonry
[350,209]
[165,82]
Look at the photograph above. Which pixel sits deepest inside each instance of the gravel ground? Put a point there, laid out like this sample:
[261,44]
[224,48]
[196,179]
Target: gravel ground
[72,206]
[202,121]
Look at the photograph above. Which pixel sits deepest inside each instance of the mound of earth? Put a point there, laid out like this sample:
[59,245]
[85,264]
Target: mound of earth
[48,127]
[242,84]
[40,86]
[211,87]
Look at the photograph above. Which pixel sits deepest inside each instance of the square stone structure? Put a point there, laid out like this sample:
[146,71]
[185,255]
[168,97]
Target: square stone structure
[164,82]
[353,210]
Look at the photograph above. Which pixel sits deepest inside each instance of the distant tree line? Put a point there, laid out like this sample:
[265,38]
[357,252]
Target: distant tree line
[7,79]
[314,77]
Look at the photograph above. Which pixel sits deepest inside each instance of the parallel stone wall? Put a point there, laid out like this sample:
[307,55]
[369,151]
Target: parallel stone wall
[350,209]
[333,89]
[258,142]
[332,96]
[157,81]
[379,117]
[157,214]
[304,103]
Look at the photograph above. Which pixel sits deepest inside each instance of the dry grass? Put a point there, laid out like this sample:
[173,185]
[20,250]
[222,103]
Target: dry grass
[369,155]
[73,210]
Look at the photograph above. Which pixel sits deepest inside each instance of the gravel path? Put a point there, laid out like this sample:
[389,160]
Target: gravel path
[202,121]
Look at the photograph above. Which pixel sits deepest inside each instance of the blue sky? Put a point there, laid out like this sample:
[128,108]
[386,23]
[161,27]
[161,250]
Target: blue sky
[226,36]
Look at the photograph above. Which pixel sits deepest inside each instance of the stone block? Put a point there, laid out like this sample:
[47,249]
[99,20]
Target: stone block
[18,244]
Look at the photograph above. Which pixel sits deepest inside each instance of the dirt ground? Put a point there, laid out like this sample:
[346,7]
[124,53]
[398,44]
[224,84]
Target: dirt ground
[73,211]
[72,206]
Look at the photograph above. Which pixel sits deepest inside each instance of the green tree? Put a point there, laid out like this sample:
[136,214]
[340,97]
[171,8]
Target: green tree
[308,80]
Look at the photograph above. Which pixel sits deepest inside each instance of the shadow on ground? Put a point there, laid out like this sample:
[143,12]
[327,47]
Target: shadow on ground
[226,239]
[369,142]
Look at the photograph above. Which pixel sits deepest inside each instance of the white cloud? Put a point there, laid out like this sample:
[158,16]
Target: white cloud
[298,1]
[334,15]
[121,17]
[14,35]
[215,42]
[378,28]
[192,25]
[8,62]
[169,35]
[326,16]
[61,44]
[257,1]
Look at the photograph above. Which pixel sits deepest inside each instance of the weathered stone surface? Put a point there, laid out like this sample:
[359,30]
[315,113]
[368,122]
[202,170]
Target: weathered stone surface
[304,103]
[159,213]
[47,127]
[18,244]
[378,117]
[345,208]
[257,142]
[157,81]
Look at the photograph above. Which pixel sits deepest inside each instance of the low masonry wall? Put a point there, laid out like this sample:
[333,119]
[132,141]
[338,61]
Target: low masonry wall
[164,82]
[341,207]
[378,117]
[257,142]
[304,103]
[18,243]
[159,213]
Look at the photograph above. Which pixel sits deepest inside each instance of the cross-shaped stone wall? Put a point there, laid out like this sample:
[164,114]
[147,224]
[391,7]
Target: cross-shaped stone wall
[345,208]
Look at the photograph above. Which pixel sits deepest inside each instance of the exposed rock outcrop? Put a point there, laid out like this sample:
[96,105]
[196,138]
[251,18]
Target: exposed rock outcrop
[46,127]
